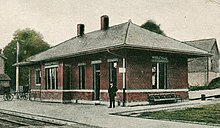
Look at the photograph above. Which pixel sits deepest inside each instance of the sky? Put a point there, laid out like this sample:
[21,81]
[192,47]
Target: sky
[56,20]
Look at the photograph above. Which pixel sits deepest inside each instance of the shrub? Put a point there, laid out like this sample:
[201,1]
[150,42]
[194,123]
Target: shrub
[215,83]
[195,88]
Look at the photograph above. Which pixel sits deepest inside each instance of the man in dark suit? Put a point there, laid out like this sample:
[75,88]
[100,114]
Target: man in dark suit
[112,93]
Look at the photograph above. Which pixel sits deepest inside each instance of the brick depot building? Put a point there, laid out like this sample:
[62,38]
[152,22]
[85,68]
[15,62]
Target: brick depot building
[138,61]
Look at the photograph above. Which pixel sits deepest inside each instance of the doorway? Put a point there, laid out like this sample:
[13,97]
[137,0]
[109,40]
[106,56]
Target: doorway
[96,81]
[159,76]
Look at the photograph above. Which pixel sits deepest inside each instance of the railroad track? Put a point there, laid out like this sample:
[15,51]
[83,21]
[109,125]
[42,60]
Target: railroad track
[4,122]
[12,119]
[16,121]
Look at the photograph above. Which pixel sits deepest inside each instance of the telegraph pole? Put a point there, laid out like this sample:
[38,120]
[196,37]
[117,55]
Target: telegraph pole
[124,82]
[17,70]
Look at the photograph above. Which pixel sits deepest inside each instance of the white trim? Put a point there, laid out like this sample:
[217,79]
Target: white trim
[158,90]
[113,60]
[81,64]
[128,91]
[96,62]
[124,74]
[37,84]
[158,75]
[159,59]
[38,90]
[103,90]
[51,63]
[51,66]
[79,90]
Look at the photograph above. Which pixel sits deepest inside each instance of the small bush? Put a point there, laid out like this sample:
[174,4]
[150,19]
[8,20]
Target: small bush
[215,83]
[195,88]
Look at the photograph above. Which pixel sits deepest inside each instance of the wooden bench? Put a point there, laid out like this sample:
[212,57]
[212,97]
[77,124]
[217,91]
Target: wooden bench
[163,98]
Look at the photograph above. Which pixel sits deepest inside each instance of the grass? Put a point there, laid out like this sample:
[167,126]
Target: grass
[205,114]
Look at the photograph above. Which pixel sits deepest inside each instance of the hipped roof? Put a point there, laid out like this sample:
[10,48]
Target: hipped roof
[204,44]
[2,56]
[125,35]
[4,77]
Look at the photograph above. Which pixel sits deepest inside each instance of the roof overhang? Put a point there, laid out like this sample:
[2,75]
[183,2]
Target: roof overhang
[23,63]
[123,46]
[3,56]
[187,53]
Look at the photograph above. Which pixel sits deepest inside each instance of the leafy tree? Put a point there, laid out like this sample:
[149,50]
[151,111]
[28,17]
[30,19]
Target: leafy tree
[30,43]
[152,26]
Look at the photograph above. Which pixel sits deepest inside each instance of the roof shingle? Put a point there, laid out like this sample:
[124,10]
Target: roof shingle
[204,44]
[4,77]
[125,34]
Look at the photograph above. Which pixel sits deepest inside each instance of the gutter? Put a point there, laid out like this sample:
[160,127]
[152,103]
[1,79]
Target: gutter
[23,63]
[121,46]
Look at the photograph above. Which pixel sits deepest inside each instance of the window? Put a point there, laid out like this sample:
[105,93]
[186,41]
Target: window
[212,65]
[159,73]
[113,72]
[82,77]
[51,78]
[37,77]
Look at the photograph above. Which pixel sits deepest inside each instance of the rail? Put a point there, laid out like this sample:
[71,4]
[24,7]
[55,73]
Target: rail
[51,120]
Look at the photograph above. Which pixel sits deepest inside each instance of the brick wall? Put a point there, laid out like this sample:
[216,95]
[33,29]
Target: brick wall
[47,95]
[43,81]
[75,77]
[138,76]
[138,72]
[177,75]
[60,76]
[104,75]
[76,95]
[143,96]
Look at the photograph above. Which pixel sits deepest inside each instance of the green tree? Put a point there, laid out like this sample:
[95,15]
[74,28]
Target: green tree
[30,43]
[152,26]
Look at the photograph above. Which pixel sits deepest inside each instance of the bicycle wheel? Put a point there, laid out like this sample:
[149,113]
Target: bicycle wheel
[4,97]
[25,96]
[20,96]
[10,97]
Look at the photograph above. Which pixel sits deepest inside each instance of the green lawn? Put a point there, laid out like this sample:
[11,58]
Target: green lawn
[206,114]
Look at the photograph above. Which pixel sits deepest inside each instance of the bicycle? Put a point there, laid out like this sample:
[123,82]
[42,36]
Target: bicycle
[8,96]
[23,95]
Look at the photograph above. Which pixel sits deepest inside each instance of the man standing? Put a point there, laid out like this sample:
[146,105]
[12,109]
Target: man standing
[112,93]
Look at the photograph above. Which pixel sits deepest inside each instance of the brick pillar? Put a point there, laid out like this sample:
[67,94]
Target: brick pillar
[60,76]
[43,84]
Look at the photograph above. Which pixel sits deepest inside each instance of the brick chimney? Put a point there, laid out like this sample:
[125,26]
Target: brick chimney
[104,22]
[80,29]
